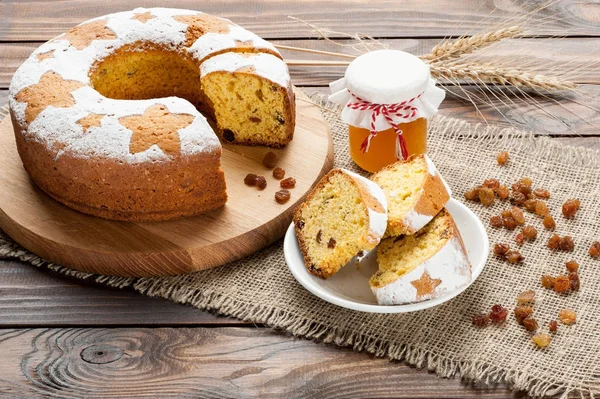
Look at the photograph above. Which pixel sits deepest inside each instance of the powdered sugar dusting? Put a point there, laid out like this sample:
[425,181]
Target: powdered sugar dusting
[264,65]
[211,43]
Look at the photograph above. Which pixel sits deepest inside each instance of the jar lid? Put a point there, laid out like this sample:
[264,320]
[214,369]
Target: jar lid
[386,80]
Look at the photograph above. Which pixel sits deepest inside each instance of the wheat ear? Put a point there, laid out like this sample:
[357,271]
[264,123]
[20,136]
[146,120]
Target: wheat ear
[466,45]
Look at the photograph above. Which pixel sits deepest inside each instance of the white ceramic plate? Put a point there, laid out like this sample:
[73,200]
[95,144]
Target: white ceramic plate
[349,288]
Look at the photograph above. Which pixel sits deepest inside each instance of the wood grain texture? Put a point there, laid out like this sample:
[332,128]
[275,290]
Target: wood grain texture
[205,363]
[250,220]
[580,57]
[32,20]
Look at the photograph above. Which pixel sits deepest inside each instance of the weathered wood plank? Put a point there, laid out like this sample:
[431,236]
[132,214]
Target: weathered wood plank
[34,20]
[199,362]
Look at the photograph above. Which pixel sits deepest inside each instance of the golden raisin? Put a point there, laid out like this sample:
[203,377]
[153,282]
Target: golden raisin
[549,222]
[572,266]
[502,158]
[541,340]
[529,232]
[554,242]
[541,209]
[552,326]
[496,221]
[278,173]
[522,312]
[517,198]
[541,193]
[526,297]
[521,188]
[261,182]
[498,313]
[566,244]
[472,194]
[574,280]
[595,249]
[570,207]
[520,238]
[503,192]
[494,184]
[290,182]
[509,223]
[526,181]
[506,213]
[270,160]
[501,249]
[530,205]
[567,316]
[481,320]
[250,179]
[486,196]
[562,284]
[530,324]
[517,214]
[548,281]
[282,196]
[514,257]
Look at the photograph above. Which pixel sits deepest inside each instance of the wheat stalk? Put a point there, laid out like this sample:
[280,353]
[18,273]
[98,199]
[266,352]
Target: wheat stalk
[466,45]
[489,74]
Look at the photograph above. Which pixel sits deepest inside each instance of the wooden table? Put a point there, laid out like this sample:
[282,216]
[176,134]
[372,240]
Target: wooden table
[61,337]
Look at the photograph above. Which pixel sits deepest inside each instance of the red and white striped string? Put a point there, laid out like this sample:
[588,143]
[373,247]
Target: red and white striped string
[394,114]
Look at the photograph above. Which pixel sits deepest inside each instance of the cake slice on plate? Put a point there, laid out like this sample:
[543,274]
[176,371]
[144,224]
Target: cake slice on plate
[343,215]
[425,265]
[415,193]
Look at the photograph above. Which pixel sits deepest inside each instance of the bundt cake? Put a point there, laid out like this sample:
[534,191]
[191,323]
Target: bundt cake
[343,215]
[425,265]
[106,115]
[415,192]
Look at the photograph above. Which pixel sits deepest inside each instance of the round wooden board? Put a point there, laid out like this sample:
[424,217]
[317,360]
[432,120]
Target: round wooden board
[249,221]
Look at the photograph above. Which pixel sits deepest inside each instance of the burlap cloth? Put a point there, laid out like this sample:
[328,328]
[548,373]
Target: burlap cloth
[261,289]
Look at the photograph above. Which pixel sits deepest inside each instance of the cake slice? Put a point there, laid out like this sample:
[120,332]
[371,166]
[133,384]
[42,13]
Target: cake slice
[343,215]
[415,192]
[421,266]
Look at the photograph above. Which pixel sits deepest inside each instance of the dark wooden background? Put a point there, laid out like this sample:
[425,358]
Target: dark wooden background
[60,337]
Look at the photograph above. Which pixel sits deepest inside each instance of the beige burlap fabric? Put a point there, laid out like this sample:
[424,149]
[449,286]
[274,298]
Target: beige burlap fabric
[261,289]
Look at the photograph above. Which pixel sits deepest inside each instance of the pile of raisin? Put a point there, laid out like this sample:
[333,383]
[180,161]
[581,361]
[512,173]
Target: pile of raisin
[486,193]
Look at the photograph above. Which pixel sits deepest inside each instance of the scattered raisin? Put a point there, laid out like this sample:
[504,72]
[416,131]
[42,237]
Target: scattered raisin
[522,312]
[517,214]
[548,281]
[250,179]
[574,280]
[572,266]
[503,192]
[278,173]
[514,257]
[530,324]
[289,182]
[486,196]
[552,326]
[517,198]
[498,314]
[554,242]
[526,297]
[501,250]
[595,249]
[541,193]
[282,196]
[520,238]
[472,194]
[549,222]
[494,184]
[502,158]
[567,316]
[270,160]
[526,181]
[228,135]
[521,188]
[509,223]
[496,221]
[529,232]
[541,209]
[506,213]
[261,182]
[570,207]
[566,244]
[331,243]
[530,205]
[541,340]
[562,284]
[481,320]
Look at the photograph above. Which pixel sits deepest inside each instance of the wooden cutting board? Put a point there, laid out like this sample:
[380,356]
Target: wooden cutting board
[249,221]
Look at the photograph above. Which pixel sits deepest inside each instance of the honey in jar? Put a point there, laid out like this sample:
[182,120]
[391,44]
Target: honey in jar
[387,96]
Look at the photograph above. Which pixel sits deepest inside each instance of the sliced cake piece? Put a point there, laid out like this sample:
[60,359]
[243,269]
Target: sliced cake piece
[343,215]
[415,192]
[421,266]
